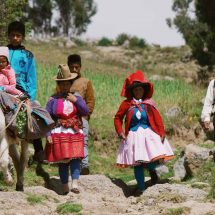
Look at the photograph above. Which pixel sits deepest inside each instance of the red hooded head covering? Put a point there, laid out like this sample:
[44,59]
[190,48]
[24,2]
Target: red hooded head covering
[137,79]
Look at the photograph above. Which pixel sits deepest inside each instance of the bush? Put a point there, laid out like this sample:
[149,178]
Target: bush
[136,42]
[121,38]
[80,42]
[104,42]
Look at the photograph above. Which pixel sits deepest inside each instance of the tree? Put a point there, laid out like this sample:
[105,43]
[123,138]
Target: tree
[75,15]
[40,14]
[10,10]
[205,12]
[195,21]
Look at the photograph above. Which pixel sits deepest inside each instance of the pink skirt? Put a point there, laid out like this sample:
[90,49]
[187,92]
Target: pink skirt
[143,146]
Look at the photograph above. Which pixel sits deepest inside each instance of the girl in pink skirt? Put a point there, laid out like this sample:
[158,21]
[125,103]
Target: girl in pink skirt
[143,139]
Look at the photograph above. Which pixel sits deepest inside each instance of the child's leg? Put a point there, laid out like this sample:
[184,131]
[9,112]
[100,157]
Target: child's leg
[38,150]
[63,169]
[154,177]
[152,166]
[75,173]
[75,168]
[139,176]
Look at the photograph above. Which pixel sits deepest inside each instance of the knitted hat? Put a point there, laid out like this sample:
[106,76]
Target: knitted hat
[64,73]
[4,51]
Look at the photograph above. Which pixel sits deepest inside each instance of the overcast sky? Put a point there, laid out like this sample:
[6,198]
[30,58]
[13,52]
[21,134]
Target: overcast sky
[143,18]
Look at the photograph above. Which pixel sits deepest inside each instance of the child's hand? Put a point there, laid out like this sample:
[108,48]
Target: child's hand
[206,125]
[162,139]
[122,136]
[49,139]
[71,97]
[28,102]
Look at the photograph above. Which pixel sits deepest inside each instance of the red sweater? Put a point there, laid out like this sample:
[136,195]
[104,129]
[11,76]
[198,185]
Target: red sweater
[153,115]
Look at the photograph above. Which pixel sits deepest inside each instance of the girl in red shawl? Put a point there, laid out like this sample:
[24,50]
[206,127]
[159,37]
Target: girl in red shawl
[143,139]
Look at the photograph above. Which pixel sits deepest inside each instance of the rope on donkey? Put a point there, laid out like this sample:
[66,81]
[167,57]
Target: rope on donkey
[27,108]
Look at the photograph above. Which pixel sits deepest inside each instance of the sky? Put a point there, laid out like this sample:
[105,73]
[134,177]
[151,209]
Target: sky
[143,18]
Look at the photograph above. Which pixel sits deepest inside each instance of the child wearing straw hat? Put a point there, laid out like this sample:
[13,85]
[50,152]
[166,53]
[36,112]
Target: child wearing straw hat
[65,142]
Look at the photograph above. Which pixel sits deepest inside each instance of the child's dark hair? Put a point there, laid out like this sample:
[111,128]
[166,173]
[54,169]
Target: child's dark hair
[16,26]
[74,58]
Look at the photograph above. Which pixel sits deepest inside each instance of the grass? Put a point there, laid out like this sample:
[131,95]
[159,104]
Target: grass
[206,173]
[177,211]
[35,199]
[171,197]
[211,194]
[107,77]
[67,208]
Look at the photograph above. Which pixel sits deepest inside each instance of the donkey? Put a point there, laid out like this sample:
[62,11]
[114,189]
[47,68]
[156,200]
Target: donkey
[4,154]
[19,159]
[39,122]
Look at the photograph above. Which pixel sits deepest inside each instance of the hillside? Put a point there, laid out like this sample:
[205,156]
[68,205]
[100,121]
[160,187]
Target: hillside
[108,190]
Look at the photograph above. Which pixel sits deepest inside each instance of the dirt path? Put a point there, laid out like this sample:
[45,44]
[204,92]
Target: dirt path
[104,196]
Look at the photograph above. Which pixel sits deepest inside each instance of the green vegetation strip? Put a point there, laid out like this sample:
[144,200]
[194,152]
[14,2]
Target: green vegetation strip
[66,208]
[35,199]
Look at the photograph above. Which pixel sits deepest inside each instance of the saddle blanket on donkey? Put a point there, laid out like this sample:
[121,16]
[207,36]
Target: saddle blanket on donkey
[27,120]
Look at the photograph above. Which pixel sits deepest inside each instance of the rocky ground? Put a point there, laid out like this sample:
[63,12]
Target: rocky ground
[104,196]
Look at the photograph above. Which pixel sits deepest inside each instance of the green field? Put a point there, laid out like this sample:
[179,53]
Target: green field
[107,77]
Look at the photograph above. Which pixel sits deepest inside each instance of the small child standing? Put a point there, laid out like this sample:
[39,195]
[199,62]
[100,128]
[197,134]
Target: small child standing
[143,141]
[7,75]
[65,143]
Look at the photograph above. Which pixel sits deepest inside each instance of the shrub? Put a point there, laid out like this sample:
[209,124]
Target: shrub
[136,42]
[104,42]
[121,38]
[80,42]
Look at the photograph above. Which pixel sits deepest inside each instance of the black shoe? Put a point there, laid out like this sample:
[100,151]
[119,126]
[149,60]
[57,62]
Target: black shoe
[138,192]
[154,177]
[85,171]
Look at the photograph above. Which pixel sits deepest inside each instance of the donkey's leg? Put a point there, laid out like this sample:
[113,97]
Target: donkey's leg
[22,165]
[4,161]
[16,161]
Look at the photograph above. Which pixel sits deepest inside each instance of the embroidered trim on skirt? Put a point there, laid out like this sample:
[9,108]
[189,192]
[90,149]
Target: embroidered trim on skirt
[143,146]
[66,145]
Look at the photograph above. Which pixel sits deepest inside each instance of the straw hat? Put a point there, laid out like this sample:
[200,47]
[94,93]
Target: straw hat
[64,73]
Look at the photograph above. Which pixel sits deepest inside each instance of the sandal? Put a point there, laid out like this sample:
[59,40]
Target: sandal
[75,190]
